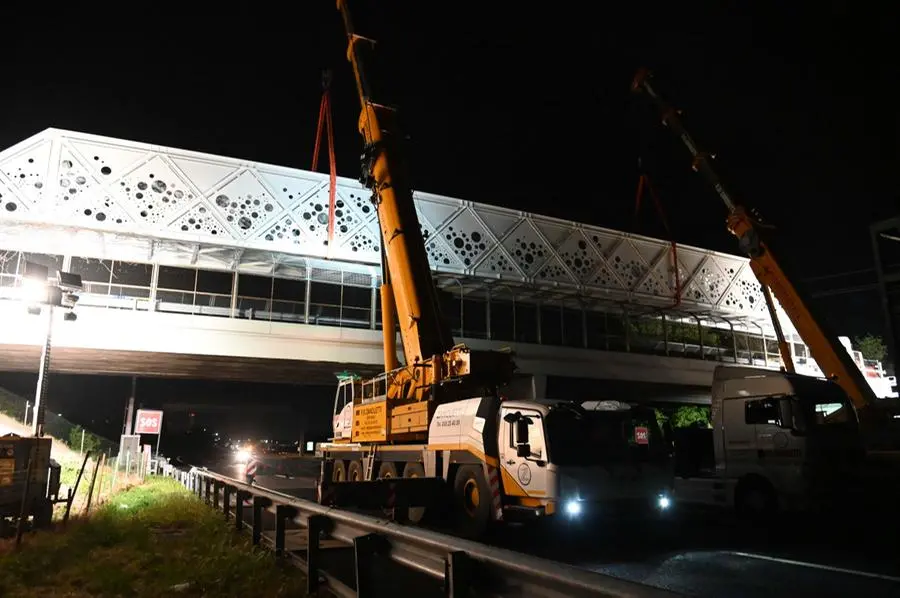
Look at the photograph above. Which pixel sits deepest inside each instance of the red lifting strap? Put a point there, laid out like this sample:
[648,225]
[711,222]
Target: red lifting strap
[325,122]
[642,180]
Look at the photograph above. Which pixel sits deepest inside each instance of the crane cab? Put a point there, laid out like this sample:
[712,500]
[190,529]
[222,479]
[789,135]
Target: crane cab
[364,413]
[348,389]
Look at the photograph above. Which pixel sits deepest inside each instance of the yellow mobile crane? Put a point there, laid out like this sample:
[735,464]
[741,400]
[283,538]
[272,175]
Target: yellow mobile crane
[831,356]
[435,369]
[435,427]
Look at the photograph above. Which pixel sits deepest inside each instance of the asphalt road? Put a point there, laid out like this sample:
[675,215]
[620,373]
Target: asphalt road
[706,553]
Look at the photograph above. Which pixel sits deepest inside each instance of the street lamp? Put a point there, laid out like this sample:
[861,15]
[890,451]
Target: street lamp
[40,290]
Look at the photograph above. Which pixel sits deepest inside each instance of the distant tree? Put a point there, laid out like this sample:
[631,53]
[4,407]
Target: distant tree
[691,415]
[91,441]
[871,346]
[684,416]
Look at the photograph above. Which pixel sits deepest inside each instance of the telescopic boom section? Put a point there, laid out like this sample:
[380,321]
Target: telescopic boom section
[407,275]
[832,357]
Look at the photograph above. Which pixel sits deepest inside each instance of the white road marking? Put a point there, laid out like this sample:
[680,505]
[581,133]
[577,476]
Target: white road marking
[773,559]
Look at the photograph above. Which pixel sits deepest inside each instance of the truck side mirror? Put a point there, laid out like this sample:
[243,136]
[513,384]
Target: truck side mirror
[521,423]
[522,430]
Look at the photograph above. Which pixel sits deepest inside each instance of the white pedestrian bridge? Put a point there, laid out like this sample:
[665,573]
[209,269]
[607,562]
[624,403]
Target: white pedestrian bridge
[205,266]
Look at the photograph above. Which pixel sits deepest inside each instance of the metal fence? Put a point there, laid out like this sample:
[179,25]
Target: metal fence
[462,567]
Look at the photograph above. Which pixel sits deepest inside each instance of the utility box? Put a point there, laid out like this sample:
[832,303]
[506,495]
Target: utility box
[15,454]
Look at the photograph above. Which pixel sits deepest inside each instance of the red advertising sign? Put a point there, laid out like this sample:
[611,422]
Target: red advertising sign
[641,435]
[148,422]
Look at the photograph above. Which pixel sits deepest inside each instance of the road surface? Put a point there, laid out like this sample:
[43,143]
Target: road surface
[702,553]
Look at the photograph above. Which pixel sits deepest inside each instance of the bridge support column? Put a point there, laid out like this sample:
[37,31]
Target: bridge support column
[154,283]
[527,387]
[539,386]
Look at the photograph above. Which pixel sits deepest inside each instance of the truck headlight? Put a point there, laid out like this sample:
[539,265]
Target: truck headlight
[663,502]
[242,456]
[573,508]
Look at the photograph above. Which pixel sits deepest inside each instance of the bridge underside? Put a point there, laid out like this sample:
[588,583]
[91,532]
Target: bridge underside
[68,360]
[648,393]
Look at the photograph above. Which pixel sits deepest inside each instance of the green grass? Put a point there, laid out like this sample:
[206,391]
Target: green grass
[144,542]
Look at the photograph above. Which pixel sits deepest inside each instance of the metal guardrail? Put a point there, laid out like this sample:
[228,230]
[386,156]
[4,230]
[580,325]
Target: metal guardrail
[465,568]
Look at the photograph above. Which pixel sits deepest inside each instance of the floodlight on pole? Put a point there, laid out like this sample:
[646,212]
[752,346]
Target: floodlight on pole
[39,290]
[35,283]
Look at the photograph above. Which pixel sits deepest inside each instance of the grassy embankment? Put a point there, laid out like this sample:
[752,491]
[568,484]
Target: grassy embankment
[151,540]
[69,460]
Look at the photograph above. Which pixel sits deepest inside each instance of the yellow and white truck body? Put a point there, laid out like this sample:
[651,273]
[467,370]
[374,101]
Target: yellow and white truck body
[510,459]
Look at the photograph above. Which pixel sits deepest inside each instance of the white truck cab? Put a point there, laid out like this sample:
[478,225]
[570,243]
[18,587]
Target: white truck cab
[777,441]
[588,455]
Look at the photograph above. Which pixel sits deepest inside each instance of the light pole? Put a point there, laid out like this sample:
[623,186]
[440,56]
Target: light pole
[41,291]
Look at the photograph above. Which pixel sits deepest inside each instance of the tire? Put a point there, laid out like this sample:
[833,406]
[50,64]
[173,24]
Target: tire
[387,470]
[471,502]
[340,472]
[415,470]
[355,471]
[754,498]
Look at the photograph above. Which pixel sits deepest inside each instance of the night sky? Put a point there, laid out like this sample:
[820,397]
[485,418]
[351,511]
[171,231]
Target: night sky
[525,106]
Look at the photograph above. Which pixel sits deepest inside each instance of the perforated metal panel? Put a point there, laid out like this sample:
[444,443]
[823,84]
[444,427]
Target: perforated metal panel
[124,189]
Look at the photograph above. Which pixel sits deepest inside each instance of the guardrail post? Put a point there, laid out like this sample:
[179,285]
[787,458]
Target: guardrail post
[282,514]
[227,491]
[326,474]
[364,548]
[217,485]
[239,499]
[456,575]
[259,503]
[314,528]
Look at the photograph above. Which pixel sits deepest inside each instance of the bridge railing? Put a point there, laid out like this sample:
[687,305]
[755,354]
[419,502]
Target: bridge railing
[674,339]
[462,567]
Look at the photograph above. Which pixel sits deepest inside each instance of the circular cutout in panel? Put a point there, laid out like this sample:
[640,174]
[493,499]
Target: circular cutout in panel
[199,221]
[578,257]
[467,245]
[245,204]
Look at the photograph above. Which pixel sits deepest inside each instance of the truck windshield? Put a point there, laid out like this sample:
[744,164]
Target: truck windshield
[825,403]
[579,437]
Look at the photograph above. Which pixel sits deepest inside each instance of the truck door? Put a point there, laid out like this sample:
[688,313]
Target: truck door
[764,416]
[523,476]
[738,437]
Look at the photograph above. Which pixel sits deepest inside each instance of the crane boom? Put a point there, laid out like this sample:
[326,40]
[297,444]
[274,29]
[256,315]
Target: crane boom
[423,331]
[832,357]
[435,368]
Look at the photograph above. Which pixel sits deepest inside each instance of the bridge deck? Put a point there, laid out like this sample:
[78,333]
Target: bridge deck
[78,194]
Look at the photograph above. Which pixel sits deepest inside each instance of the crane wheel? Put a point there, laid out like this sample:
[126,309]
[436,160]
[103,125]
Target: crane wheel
[340,471]
[386,471]
[472,501]
[355,471]
[415,470]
